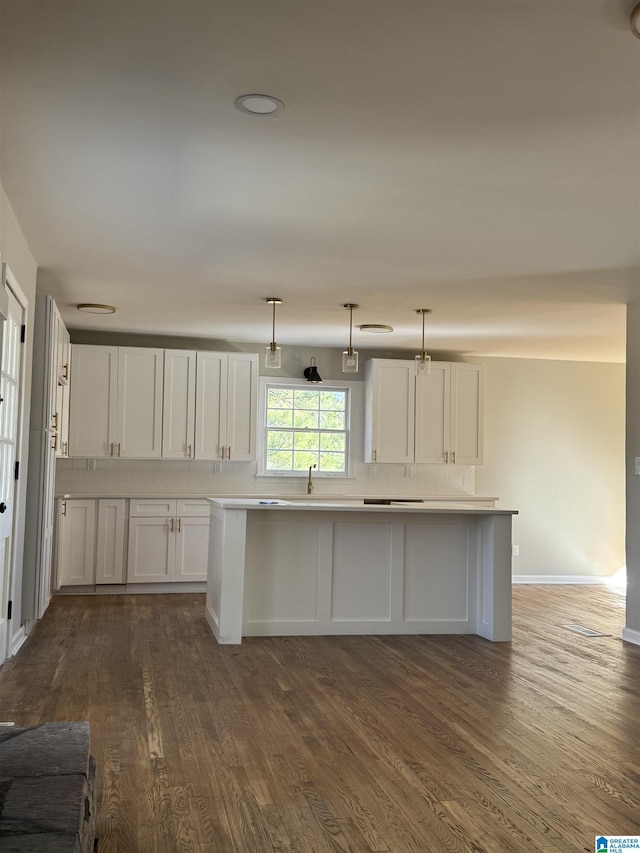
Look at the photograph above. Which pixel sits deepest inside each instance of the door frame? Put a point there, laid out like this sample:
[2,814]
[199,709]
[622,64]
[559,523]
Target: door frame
[17,635]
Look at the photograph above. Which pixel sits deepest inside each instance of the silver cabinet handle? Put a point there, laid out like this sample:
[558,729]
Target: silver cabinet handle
[229,451]
[64,508]
[453,457]
[172,525]
[118,448]
[375,455]
[112,448]
[224,450]
[179,525]
[189,451]
[446,457]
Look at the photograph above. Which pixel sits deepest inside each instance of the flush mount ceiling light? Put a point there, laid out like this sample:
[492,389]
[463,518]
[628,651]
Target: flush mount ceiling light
[95,308]
[377,328]
[273,354]
[259,105]
[634,20]
[423,361]
[350,356]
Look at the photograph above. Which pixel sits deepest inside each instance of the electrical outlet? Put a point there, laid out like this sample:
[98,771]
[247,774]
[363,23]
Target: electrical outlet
[91,464]
[372,470]
[217,467]
[637,464]
[515,550]
[408,470]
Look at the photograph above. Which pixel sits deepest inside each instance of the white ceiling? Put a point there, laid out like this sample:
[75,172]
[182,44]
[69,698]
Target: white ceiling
[477,158]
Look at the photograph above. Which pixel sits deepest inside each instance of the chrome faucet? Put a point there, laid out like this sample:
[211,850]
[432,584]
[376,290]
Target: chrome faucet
[310,481]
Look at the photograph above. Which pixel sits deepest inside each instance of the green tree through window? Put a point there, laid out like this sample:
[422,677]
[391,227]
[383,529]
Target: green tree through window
[306,426]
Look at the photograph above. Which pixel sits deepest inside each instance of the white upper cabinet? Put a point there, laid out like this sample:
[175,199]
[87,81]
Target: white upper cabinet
[389,407]
[178,414]
[467,413]
[428,418]
[94,384]
[116,402]
[144,403]
[226,405]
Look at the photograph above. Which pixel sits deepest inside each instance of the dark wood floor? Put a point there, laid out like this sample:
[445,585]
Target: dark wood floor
[347,743]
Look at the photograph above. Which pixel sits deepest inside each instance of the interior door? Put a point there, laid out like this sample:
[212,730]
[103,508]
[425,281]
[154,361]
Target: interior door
[10,388]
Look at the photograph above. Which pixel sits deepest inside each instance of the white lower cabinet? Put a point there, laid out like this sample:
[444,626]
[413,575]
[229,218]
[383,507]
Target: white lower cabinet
[168,540]
[90,541]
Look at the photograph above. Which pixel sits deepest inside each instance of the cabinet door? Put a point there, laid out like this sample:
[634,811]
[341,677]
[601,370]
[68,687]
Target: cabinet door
[242,403]
[76,555]
[211,389]
[139,406]
[467,413]
[433,414]
[390,409]
[92,419]
[178,413]
[151,554]
[192,549]
[110,541]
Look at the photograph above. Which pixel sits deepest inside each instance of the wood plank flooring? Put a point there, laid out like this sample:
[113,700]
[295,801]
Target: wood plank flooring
[385,744]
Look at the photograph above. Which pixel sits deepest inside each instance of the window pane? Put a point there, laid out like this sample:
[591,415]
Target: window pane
[280,398]
[303,459]
[280,417]
[279,439]
[305,419]
[279,460]
[331,420]
[306,399]
[307,441]
[332,400]
[332,462]
[332,441]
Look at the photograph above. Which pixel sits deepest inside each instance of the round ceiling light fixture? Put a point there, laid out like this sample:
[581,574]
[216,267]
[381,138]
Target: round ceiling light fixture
[377,328]
[95,308]
[634,20]
[259,105]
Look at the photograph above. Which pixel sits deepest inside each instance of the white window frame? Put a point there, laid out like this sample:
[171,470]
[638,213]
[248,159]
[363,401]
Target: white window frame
[268,381]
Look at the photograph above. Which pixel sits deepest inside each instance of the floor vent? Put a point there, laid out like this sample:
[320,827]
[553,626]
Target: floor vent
[586,632]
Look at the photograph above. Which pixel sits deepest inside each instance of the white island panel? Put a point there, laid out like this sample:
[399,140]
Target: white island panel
[362,567]
[439,564]
[281,573]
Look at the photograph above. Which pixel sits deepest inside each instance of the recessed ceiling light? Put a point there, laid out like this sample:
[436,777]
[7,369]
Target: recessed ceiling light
[95,308]
[375,327]
[259,105]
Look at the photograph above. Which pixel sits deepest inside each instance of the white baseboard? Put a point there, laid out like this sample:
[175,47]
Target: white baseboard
[17,641]
[134,588]
[631,636]
[591,579]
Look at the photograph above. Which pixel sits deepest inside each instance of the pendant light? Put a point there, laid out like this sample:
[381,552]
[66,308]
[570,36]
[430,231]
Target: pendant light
[311,373]
[273,353]
[350,356]
[423,361]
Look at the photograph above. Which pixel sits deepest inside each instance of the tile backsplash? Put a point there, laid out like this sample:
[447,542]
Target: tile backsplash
[122,477]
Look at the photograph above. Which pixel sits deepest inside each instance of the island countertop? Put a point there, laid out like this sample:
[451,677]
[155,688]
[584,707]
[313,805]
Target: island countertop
[358,505]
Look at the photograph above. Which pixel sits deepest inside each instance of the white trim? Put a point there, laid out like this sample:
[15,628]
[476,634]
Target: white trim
[629,635]
[569,579]
[17,641]
[329,384]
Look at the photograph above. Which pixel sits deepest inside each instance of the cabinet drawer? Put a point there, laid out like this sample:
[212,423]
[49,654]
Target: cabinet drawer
[150,507]
[192,507]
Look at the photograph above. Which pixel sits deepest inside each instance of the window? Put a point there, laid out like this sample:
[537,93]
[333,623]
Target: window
[306,426]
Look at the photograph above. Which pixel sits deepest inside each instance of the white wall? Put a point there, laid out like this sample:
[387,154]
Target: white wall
[16,252]
[554,450]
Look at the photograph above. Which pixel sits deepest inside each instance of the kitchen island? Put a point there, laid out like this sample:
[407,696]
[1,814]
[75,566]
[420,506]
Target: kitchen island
[279,568]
